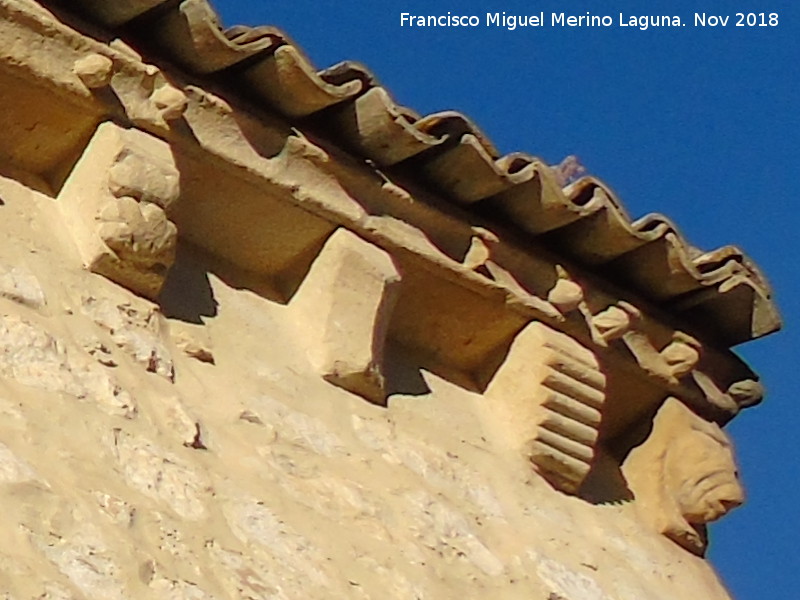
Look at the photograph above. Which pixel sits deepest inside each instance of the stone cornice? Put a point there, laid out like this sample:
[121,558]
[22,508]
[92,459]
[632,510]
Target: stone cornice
[263,196]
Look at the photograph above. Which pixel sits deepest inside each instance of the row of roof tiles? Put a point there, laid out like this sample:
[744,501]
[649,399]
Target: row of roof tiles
[722,291]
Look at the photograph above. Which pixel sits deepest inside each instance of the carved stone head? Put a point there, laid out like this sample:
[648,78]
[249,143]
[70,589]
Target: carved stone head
[684,475]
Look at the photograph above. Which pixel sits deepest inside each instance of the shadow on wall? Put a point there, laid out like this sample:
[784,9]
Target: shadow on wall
[187,294]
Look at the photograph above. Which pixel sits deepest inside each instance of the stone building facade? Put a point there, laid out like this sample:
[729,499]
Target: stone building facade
[267,334]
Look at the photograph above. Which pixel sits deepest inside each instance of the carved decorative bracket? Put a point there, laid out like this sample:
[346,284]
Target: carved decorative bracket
[115,203]
[683,476]
[546,400]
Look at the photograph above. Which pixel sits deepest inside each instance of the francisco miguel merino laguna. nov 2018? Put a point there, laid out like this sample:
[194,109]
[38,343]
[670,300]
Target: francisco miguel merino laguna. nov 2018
[555,19]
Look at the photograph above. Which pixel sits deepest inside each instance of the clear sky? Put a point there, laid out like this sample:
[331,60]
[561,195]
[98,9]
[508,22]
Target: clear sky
[702,124]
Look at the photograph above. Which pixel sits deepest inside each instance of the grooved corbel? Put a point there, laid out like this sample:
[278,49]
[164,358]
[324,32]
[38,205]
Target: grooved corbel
[343,308]
[546,400]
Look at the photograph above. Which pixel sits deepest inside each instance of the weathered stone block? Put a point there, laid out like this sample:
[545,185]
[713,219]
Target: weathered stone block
[115,203]
[139,331]
[343,307]
[22,286]
[33,357]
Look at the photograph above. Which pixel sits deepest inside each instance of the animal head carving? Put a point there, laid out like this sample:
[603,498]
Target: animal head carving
[684,475]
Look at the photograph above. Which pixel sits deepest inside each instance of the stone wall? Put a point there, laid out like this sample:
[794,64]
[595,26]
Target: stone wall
[148,456]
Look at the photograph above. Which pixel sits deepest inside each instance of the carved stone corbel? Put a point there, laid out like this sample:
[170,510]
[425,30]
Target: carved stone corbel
[683,476]
[682,354]
[739,395]
[115,203]
[149,100]
[94,70]
[343,307]
[480,250]
[616,320]
[676,359]
[746,393]
[546,400]
[568,296]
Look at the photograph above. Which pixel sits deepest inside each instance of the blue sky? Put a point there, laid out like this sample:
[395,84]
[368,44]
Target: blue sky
[702,124]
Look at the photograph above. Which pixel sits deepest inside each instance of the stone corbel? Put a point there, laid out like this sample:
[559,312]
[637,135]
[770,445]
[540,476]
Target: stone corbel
[546,401]
[115,204]
[683,476]
[675,360]
[94,70]
[343,308]
[147,98]
[480,250]
[746,393]
[616,320]
[727,404]
[568,296]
